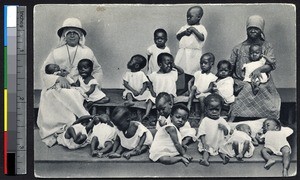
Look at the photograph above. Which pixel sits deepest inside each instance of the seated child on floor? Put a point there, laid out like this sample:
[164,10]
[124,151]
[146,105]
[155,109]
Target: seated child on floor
[258,59]
[89,85]
[103,135]
[212,130]
[132,136]
[56,70]
[77,135]
[136,83]
[167,144]
[164,104]
[199,85]
[275,139]
[240,144]
[160,39]
[165,79]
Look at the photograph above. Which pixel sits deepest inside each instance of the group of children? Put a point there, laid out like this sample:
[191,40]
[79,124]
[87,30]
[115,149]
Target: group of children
[119,135]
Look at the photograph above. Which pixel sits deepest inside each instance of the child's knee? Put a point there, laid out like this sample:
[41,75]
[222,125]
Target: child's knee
[285,150]
[194,88]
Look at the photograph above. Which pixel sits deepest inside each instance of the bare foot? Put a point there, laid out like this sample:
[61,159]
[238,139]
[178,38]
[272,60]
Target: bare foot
[226,160]
[204,162]
[114,155]
[100,155]
[127,155]
[128,103]
[285,173]
[185,161]
[239,157]
[94,153]
[269,164]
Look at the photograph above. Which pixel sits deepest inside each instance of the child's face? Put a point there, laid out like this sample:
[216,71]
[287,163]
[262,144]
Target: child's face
[167,64]
[270,125]
[160,39]
[223,71]
[255,53]
[84,69]
[179,118]
[164,107]
[213,109]
[205,64]
[72,38]
[54,68]
[193,16]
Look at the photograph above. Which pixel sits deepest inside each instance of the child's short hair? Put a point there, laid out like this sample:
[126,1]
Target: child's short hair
[48,69]
[161,56]
[179,106]
[90,62]
[164,95]
[210,97]
[211,55]
[278,123]
[199,8]
[137,59]
[119,114]
[225,62]
[160,30]
[255,45]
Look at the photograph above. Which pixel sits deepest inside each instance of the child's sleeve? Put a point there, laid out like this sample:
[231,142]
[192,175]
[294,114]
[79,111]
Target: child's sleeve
[144,77]
[149,51]
[287,131]
[125,77]
[183,28]
[174,74]
[93,81]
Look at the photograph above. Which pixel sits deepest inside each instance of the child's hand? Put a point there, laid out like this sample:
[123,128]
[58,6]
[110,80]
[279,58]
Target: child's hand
[222,127]
[191,29]
[188,32]
[64,72]
[137,150]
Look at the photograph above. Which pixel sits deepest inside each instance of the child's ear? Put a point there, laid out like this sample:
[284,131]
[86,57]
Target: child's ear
[136,66]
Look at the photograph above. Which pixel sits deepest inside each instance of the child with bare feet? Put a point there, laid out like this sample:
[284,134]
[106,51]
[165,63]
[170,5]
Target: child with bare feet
[274,136]
[212,130]
[133,138]
[167,144]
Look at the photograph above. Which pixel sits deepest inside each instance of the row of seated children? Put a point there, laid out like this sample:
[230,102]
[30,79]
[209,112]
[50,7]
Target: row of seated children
[120,136]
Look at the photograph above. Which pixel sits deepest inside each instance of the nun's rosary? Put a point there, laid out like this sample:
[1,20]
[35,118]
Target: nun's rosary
[72,61]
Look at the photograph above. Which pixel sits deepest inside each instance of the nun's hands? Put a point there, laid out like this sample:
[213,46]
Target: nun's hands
[63,82]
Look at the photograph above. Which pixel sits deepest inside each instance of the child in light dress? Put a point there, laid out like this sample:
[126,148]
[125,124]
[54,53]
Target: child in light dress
[258,59]
[240,144]
[103,135]
[167,144]
[200,84]
[160,39]
[275,142]
[56,70]
[77,135]
[88,84]
[136,84]
[164,104]
[192,37]
[133,138]
[212,130]
[165,79]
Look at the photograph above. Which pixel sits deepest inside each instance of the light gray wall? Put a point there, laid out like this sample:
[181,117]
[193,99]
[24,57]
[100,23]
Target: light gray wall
[116,32]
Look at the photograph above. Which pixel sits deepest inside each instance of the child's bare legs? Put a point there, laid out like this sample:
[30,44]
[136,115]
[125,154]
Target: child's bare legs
[133,152]
[80,138]
[107,147]
[239,156]
[201,100]
[70,133]
[118,152]
[129,101]
[149,105]
[255,86]
[94,146]
[186,142]
[286,157]
[191,97]
[172,160]
[265,152]
[224,157]
[204,161]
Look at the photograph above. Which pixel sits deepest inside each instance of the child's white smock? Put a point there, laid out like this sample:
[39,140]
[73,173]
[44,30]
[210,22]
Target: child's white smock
[202,81]
[275,140]
[96,95]
[240,137]
[185,130]
[163,145]
[136,81]
[69,143]
[225,89]
[153,51]
[104,133]
[251,66]
[164,82]
[131,143]
[190,50]
[213,135]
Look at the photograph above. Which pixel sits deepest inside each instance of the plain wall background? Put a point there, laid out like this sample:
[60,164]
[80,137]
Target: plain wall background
[116,32]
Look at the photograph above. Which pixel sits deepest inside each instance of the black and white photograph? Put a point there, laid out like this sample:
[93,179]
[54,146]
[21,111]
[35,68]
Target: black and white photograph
[216,95]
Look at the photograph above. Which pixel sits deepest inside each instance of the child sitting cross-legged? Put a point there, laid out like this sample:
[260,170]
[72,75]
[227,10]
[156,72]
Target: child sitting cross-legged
[212,130]
[274,137]
[133,138]
[167,144]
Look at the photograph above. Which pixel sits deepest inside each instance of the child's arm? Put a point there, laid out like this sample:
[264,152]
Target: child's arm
[183,33]
[173,134]
[223,128]
[268,59]
[89,126]
[83,118]
[138,148]
[191,83]
[260,138]
[211,88]
[179,69]
[199,35]
[91,90]
[76,84]
[144,88]
[116,150]
[127,86]
[254,141]
[150,86]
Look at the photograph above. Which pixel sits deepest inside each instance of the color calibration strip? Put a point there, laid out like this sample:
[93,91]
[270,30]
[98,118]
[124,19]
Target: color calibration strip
[14,90]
